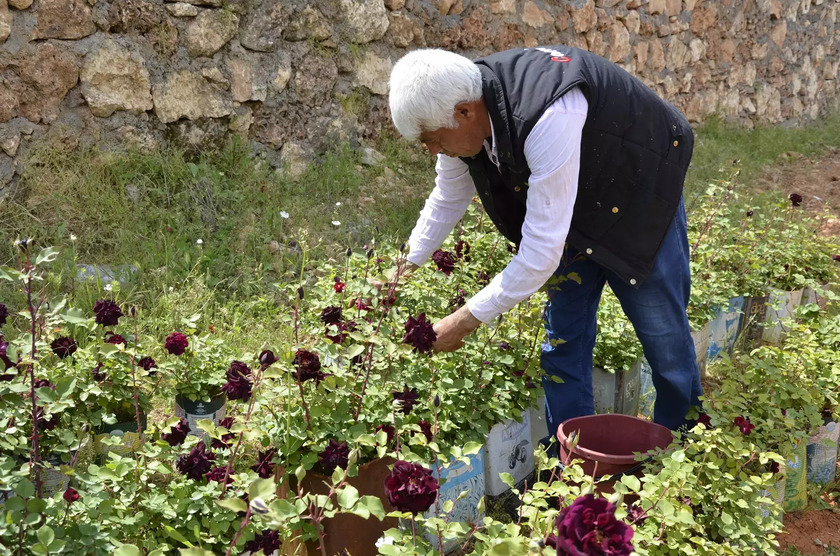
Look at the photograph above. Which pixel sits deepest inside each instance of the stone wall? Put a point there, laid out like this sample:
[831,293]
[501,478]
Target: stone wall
[298,76]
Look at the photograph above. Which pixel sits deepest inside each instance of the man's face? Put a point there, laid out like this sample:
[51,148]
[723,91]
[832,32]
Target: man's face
[467,139]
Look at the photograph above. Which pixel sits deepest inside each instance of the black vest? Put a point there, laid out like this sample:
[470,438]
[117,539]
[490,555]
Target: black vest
[635,151]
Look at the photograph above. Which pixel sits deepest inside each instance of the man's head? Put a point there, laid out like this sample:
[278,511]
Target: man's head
[436,98]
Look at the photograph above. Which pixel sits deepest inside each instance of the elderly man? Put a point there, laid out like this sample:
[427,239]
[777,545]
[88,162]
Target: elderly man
[582,167]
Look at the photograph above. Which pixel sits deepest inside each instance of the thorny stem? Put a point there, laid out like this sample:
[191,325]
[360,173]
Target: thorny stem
[134,384]
[245,521]
[241,433]
[305,407]
[392,288]
[33,310]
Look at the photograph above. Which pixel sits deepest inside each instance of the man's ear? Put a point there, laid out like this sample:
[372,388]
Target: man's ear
[465,111]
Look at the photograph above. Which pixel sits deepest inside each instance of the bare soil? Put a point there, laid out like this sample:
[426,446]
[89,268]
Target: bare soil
[816,179]
[811,531]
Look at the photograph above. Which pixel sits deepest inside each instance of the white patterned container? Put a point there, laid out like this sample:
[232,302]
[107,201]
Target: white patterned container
[459,477]
[508,450]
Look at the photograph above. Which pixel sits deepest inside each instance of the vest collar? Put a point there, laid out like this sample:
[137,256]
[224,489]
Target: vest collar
[494,99]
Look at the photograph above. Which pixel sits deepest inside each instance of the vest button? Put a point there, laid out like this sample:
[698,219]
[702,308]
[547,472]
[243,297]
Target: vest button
[615,210]
[589,251]
[676,143]
[517,188]
[632,281]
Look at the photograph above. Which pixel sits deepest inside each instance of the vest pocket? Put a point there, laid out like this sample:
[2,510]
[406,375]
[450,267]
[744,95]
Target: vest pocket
[600,206]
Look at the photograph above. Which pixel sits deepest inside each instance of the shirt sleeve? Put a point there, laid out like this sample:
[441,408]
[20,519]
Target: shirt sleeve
[552,151]
[453,192]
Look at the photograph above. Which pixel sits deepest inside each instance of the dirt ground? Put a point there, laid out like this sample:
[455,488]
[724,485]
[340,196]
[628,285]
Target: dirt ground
[818,181]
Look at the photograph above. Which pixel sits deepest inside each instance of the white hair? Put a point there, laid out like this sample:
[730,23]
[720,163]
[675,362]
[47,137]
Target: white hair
[426,85]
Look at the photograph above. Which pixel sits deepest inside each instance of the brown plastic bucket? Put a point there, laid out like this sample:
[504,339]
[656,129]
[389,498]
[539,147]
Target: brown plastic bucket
[608,443]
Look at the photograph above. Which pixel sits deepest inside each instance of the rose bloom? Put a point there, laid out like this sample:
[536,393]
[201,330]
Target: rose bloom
[411,488]
[218,474]
[177,433]
[197,463]
[111,338]
[176,343]
[64,347]
[339,287]
[744,424]
[107,312]
[444,260]
[331,315]
[4,314]
[147,363]
[407,399]
[334,455]
[71,495]
[267,541]
[420,333]
[267,358]
[225,440]
[308,366]
[589,526]
[264,467]
[795,199]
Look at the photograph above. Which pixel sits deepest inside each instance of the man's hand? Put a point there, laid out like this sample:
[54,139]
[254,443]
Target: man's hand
[452,330]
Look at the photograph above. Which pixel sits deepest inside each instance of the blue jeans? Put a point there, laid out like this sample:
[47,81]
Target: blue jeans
[657,310]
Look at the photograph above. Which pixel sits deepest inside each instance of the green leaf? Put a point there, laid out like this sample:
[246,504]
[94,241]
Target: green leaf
[46,535]
[195,552]
[261,488]
[355,350]
[235,504]
[507,479]
[176,535]
[632,482]
[64,386]
[74,316]
[25,488]
[348,496]
[127,550]
[374,505]
[471,448]
[47,255]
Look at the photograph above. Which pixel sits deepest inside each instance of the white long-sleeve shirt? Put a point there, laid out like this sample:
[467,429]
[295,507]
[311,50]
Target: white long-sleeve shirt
[552,151]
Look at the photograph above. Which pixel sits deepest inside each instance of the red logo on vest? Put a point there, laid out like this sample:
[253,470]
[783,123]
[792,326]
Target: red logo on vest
[556,55]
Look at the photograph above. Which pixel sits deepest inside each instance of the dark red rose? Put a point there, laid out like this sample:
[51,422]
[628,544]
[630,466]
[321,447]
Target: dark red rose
[64,347]
[636,515]
[462,249]
[71,495]
[589,526]
[331,315]
[227,438]
[426,429]
[836,257]
[705,420]
[107,312]
[482,278]
[218,474]
[411,487]
[111,338]
[308,367]
[4,314]
[197,463]
[339,287]
[98,374]
[147,363]
[444,260]
[238,369]
[407,399]
[267,541]
[774,467]
[795,199]
[176,343]
[749,213]
[267,358]
[362,305]
[334,455]
[45,424]
[264,467]
[177,433]
[389,430]
[743,424]
[420,333]
[238,388]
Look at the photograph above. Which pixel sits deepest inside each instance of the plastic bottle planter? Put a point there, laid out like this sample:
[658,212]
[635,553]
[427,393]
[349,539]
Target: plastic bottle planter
[617,392]
[723,329]
[796,492]
[777,494]
[54,479]
[780,306]
[822,453]
[539,426]
[458,477]
[194,411]
[126,431]
[647,394]
[701,347]
[755,313]
[508,450]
